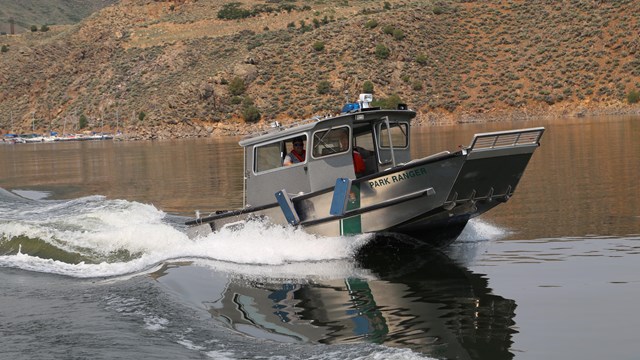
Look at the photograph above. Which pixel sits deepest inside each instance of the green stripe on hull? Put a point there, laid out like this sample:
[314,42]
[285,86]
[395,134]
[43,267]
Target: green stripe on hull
[365,313]
[352,225]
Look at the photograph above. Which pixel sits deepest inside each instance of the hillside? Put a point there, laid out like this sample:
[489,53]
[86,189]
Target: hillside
[27,13]
[174,68]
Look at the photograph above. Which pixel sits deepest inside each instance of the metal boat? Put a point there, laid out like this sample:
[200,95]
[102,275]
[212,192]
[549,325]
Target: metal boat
[432,197]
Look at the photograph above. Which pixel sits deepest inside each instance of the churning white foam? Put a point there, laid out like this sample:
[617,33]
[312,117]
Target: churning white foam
[479,230]
[96,226]
[261,243]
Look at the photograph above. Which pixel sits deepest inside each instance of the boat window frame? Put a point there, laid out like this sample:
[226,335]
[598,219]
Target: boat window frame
[328,130]
[283,153]
[397,123]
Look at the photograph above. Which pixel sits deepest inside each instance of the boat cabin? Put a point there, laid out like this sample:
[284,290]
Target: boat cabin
[331,145]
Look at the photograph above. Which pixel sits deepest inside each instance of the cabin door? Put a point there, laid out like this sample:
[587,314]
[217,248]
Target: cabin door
[267,171]
[332,159]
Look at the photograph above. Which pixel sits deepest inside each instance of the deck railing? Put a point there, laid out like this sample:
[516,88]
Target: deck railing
[502,139]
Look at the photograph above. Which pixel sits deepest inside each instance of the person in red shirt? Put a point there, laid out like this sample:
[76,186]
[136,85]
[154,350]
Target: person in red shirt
[297,154]
[358,162]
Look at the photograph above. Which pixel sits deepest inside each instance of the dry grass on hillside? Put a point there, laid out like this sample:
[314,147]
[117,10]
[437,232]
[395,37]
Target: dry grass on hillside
[451,60]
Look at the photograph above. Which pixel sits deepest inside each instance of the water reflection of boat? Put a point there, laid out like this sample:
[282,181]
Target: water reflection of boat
[420,300]
[357,176]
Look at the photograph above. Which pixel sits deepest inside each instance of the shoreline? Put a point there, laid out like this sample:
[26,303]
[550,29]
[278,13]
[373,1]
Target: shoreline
[236,127]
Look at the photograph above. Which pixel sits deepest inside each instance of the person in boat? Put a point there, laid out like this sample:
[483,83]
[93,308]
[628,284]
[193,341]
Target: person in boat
[358,162]
[297,154]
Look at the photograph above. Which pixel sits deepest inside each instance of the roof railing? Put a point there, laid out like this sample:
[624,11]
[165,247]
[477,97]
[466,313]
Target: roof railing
[277,126]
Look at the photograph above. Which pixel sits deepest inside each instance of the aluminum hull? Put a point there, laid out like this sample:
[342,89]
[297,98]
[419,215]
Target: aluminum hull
[432,198]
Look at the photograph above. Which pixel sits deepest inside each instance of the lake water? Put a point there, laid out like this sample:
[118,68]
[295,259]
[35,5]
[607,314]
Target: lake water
[94,262]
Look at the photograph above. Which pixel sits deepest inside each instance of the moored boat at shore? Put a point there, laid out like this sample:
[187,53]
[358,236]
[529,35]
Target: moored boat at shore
[12,139]
[357,176]
[32,138]
[54,137]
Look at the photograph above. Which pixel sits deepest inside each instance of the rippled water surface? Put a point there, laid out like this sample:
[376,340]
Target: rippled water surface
[94,262]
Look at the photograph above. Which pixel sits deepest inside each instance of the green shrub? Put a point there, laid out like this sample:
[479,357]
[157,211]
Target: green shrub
[246,102]
[4,49]
[398,34]
[251,114]
[44,28]
[83,122]
[367,87]
[388,103]
[323,87]
[232,11]
[252,44]
[422,59]
[370,24]
[452,105]
[236,86]
[633,97]
[304,27]
[382,52]
[141,116]
[290,7]
[34,28]
[318,46]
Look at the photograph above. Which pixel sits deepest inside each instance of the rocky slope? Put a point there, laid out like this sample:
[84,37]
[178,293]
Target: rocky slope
[163,69]
[27,13]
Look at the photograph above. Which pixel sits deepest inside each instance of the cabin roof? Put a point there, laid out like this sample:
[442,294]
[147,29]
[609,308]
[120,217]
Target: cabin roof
[306,125]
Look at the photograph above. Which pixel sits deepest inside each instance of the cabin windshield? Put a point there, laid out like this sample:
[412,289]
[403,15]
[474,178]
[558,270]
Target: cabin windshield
[331,141]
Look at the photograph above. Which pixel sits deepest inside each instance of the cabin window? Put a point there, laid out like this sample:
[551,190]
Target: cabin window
[268,157]
[399,135]
[296,152]
[273,155]
[364,140]
[331,141]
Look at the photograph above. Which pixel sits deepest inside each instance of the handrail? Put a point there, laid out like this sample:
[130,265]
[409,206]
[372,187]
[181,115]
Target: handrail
[390,202]
[510,138]
[281,127]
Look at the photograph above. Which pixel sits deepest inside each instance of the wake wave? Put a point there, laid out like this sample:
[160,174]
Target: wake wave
[96,237]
